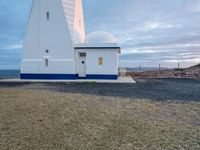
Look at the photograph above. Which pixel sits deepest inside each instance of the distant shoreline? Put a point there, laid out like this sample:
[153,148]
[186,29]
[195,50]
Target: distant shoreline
[7,74]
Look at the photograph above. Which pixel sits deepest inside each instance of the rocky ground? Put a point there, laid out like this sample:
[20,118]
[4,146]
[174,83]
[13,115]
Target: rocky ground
[152,114]
[192,72]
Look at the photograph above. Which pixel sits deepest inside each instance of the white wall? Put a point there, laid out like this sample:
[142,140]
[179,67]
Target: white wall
[74,15]
[52,34]
[79,25]
[110,61]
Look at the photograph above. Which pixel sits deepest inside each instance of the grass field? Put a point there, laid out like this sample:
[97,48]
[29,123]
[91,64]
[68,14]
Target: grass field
[49,120]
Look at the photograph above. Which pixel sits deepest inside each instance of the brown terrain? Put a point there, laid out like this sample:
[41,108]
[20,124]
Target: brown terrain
[191,72]
[153,114]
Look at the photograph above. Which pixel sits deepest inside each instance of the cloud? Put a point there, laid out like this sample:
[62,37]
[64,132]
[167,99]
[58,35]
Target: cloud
[150,25]
[11,47]
[149,31]
[138,51]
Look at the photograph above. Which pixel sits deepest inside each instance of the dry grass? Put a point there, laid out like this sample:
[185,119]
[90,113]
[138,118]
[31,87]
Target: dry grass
[31,119]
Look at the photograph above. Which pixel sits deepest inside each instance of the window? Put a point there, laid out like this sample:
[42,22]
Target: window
[47,15]
[46,62]
[101,61]
[82,54]
[47,51]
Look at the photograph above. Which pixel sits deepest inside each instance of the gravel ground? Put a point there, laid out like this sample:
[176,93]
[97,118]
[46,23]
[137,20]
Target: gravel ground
[154,114]
[182,90]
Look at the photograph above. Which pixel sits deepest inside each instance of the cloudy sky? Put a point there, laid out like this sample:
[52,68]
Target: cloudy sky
[149,31]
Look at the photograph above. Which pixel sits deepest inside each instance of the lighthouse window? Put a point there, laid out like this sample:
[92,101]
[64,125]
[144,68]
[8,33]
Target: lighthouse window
[47,15]
[100,61]
[46,62]
[47,51]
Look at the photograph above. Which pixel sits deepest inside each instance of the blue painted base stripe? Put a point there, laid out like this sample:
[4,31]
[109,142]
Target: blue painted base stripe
[49,76]
[102,77]
[66,77]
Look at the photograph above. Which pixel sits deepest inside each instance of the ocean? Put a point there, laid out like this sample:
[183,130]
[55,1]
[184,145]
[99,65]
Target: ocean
[7,74]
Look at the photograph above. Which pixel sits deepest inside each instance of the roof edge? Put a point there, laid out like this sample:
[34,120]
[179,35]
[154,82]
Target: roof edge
[102,48]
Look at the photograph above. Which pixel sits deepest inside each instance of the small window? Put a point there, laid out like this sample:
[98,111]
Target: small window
[46,62]
[101,61]
[47,51]
[47,15]
[82,54]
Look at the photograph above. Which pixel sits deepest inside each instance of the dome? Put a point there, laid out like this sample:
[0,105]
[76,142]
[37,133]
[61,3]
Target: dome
[100,37]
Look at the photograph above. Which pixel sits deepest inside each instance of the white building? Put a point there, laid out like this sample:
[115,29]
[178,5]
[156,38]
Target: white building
[55,45]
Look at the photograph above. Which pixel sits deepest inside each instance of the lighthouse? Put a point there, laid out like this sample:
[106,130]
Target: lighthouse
[55,45]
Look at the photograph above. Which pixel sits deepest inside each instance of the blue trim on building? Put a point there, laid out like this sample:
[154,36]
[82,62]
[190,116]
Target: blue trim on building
[102,77]
[49,76]
[66,77]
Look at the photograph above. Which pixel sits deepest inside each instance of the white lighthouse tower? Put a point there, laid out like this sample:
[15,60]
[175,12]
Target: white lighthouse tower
[54,30]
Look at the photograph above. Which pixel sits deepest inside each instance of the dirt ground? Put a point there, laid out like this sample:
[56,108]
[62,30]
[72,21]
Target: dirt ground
[152,114]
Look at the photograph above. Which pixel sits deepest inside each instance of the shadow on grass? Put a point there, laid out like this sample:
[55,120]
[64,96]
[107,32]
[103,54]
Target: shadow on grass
[183,90]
